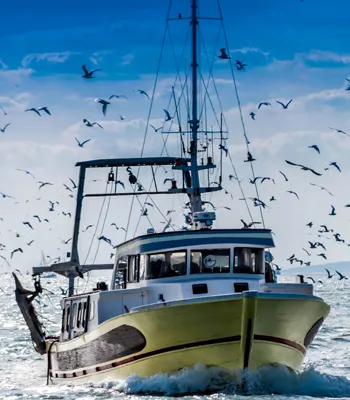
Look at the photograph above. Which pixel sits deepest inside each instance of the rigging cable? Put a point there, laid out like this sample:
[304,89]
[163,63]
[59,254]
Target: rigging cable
[150,109]
[165,139]
[99,242]
[211,76]
[94,234]
[240,108]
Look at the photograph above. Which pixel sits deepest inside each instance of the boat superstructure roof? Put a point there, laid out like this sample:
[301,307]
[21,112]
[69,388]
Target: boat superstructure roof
[157,242]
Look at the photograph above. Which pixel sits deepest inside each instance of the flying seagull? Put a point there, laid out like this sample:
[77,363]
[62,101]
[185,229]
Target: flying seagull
[81,144]
[156,129]
[167,115]
[117,96]
[341,276]
[329,274]
[223,55]
[264,103]
[249,225]
[252,114]
[315,147]
[42,184]
[15,251]
[240,66]
[285,106]
[250,158]
[73,183]
[27,172]
[104,104]
[334,164]
[89,74]
[91,124]
[291,192]
[332,213]
[339,131]
[144,93]
[4,128]
[303,167]
[284,176]
[28,224]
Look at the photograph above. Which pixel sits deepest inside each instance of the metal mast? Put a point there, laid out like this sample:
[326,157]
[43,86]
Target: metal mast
[196,200]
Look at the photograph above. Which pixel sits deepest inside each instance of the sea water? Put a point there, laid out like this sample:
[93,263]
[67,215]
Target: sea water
[326,371]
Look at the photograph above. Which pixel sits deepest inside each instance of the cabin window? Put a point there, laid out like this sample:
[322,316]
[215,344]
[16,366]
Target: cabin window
[165,265]
[120,277]
[248,260]
[133,269]
[84,315]
[143,265]
[67,317]
[210,261]
[63,320]
[74,314]
[92,310]
[79,316]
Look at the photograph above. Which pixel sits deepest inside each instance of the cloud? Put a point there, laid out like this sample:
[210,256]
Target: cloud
[99,56]
[54,57]
[16,75]
[320,56]
[3,65]
[127,59]
[246,50]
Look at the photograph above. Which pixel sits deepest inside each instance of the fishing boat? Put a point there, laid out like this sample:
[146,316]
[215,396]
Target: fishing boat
[197,294]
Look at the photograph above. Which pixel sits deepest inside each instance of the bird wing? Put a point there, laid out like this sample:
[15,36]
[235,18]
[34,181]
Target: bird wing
[73,183]
[291,163]
[340,275]
[4,128]
[77,141]
[85,69]
[289,102]
[45,109]
[35,110]
[167,113]
[313,171]
[279,102]
[284,175]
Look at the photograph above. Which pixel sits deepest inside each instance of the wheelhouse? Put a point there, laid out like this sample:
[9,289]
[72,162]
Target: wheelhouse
[190,255]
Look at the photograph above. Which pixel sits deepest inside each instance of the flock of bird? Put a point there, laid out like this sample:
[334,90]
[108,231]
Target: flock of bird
[323,231]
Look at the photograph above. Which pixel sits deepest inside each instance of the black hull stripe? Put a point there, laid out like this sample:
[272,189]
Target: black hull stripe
[237,338]
[128,360]
[286,342]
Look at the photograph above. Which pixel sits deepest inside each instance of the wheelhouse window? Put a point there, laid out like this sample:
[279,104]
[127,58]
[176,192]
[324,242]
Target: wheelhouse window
[164,265]
[248,260]
[133,268]
[210,261]
[143,266]
[120,275]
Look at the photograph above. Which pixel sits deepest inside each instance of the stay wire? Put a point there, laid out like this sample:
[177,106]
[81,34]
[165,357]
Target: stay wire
[240,108]
[150,109]
[94,234]
[165,139]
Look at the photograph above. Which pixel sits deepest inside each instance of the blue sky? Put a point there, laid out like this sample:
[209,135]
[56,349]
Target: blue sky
[293,50]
